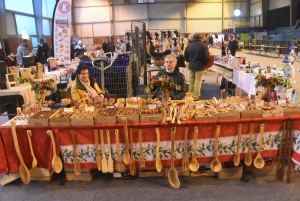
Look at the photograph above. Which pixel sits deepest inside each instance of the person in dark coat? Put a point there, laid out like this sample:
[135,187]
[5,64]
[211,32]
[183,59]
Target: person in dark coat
[40,53]
[233,45]
[176,51]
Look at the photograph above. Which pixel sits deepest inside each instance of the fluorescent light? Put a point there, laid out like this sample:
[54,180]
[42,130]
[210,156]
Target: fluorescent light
[237,12]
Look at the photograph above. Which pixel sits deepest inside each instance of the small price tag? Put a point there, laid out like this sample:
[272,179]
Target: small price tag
[259,103]
[199,105]
[110,106]
[244,103]
[152,106]
[89,109]
[45,109]
[223,104]
[68,109]
[281,101]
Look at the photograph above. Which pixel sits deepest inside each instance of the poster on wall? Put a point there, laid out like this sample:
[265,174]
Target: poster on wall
[61,31]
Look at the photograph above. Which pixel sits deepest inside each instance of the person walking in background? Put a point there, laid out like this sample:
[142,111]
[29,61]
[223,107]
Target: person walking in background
[40,53]
[22,51]
[233,45]
[122,46]
[198,56]
[176,51]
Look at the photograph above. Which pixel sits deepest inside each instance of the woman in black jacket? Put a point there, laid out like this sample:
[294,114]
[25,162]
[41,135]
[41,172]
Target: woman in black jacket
[233,45]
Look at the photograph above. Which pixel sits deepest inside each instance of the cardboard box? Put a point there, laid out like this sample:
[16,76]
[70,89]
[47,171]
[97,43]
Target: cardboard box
[280,112]
[82,121]
[105,119]
[151,117]
[255,113]
[151,172]
[208,118]
[268,167]
[291,111]
[59,121]
[40,174]
[179,171]
[130,118]
[41,121]
[231,173]
[229,115]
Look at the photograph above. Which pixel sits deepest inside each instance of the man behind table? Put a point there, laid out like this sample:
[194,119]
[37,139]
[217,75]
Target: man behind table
[175,76]
[22,51]
[198,56]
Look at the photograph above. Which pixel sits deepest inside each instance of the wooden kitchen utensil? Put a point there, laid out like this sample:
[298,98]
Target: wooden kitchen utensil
[142,158]
[259,162]
[120,166]
[248,157]
[158,163]
[194,165]
[34,161]
[132,166]
[104,160]
[185,160]
[23,170]
[126,156]
[98,157]
[110,163]
[172,174]
[77,168]
[280,153]
[290,147]
[282,162]
[56,161]
[236,160]
[216,165]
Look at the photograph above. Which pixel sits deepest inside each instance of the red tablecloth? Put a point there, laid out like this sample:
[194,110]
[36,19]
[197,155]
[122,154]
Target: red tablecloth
[86,149]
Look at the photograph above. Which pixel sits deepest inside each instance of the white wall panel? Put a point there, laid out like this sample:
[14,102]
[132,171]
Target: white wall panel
[165,24]
[87,3]
[174,10]
[102,29]
[278,4]
[254,1]
[131,12]
[204,10]
[87,41]
[256,9]
[78,29]
[121,27]
[207,1]
[92,14]
[204,26]
[228,10]
[87,30]
[166,1]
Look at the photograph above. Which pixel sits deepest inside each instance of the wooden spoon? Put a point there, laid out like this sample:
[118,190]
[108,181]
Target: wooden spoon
[23,170]
[290,136]
[34,161]
[56,161]
[110,163]
[259,162]
[132,166]
[142,158]
[77,168]
[282,162]
[194,165]
[120,166]
[172,174]
[104,160]
[216,165]
[248,157]
[185,160]
[98,157]
[279,164]
[236,160]
[126,156]
[158,163]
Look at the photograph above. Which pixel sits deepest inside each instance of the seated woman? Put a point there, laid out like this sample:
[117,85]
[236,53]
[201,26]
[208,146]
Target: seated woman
[85,84]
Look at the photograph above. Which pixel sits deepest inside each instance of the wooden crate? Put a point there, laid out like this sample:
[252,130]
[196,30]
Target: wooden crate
[179,171]
[151,172]
[40,174]
[84,176]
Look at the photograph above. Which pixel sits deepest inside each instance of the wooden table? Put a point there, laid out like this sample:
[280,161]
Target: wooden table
[262,47]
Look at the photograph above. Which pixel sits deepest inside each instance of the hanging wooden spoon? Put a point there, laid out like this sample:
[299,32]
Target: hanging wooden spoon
[216,165]
[236,160]
[56,161]
[142,158]
[34,161]
[290,147]
[279,164]
[172,174]
[259,162]
[185,160]
[282,162]
[98,157]
[120,166]
[110,162]
[248,157]
[77,168]
[132,166]
[104,160]
[194,165]
[158,163]
[23,170]
[126,156]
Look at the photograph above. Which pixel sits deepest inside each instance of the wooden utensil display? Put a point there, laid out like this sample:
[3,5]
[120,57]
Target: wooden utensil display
[282,162]
[126,156]
[290,134]
[132,166]
[248,157]
[56,161]
[104,160]
[279,164]
[142,158]
[259,162]
[98,157]
[110,162]
[194,165]
[77,168]
[158,163]
[185,160]
[236,160]
[23,170]
[216,165]
[172,174]
[120,166]
[34,161]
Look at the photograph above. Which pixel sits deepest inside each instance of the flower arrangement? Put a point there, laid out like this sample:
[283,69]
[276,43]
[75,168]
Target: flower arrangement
[163,82]
[272,81]
[38,86]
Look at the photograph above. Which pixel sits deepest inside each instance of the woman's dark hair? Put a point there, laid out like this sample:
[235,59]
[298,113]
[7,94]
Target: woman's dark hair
[81,67]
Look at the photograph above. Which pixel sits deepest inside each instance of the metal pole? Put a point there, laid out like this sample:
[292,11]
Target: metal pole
[102,76]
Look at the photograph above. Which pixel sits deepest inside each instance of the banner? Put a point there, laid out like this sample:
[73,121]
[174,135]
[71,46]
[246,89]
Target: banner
[61,31]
